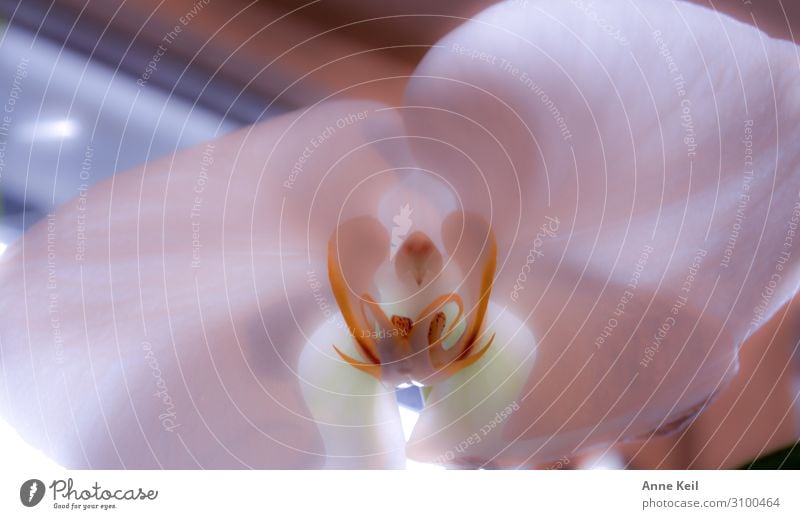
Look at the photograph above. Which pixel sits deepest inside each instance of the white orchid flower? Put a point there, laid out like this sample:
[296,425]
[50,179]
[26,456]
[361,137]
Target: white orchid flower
[564,234]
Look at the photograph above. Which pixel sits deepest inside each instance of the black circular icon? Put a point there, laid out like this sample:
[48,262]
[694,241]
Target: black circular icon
[31,492]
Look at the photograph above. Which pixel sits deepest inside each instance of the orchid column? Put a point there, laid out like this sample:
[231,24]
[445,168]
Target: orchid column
[564,235]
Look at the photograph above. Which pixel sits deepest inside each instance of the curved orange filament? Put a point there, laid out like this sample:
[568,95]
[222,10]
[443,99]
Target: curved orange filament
[404,325]
[440,302]
[465,362]
[487,280]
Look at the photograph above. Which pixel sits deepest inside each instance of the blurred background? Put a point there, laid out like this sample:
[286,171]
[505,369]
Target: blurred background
[97,87]
[110,84]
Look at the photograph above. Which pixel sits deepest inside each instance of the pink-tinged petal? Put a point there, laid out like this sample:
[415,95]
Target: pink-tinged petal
[158,321]
[638,162]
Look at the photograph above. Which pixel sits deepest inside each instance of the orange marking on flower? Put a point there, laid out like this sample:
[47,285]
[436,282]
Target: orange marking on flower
[340,293]
[436,305]
[403,324]
[436,328]
[465,362]
[368,368]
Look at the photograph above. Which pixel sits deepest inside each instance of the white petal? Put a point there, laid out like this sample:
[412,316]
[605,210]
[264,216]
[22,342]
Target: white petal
[610,145]
[356,414]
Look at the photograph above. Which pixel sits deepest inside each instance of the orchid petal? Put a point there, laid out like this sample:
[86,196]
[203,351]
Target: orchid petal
[158,321]
[641,174]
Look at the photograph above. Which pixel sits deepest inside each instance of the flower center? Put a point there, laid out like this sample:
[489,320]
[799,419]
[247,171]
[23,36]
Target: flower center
[423,333]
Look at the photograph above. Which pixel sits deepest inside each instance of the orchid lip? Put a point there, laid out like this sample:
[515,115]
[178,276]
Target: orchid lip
[421,349]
